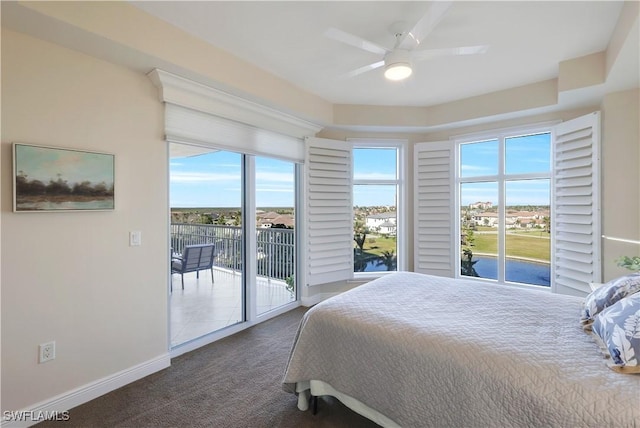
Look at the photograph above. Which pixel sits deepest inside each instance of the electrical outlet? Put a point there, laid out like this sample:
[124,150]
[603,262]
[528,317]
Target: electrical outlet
[47,352]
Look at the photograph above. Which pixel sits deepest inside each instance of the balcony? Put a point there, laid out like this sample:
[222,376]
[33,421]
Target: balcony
[203,307]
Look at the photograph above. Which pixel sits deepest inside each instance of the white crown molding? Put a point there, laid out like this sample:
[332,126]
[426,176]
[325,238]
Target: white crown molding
[187,93]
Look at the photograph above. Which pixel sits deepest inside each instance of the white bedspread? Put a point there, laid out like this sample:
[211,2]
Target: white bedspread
[427,351]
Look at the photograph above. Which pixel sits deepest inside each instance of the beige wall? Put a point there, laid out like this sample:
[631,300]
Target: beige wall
[71,277]
[112,30]
[620,154]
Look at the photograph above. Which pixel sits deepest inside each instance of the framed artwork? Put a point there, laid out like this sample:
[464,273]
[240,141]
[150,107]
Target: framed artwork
[58,179]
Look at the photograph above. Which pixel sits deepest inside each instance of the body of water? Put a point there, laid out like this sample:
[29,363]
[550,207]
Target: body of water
[516,270]
[487,267]
[372,266]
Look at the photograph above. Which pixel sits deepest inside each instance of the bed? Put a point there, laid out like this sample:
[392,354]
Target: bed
[416,350]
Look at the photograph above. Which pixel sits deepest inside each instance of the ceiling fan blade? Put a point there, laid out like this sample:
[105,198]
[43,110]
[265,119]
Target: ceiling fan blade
[435,53]
[364,69]
[353,40]
[437,10]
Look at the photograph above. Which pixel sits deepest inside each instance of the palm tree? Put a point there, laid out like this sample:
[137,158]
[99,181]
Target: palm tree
[466,266]
[546,222]
[360,231]
[388,259]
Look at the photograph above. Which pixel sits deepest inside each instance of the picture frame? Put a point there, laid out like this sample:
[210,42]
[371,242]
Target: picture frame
[49,179]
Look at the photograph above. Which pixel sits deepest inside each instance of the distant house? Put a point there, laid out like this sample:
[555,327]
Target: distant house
[523,219]
[272,219]
[486,219]
[481,205]
[387,228]
[531,223]
[383,223]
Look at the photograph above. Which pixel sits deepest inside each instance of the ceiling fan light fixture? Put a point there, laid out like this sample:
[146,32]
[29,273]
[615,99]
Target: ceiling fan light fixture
[397,65]
[398,71]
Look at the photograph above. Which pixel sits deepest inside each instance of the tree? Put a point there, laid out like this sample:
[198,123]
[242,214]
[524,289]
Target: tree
[206,218]
[58,187]
[546,222]
[237,218]
[84,188]
[470,237]
[360,231]
[24,186]
[221,220]
[466,264]
[388,259]
[101,189]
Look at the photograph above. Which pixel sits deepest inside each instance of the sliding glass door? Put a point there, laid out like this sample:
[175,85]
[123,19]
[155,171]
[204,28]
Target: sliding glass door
[206,198]
[244,206]
[275,233]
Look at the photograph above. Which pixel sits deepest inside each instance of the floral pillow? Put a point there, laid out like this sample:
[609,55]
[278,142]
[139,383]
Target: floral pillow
[617,329]
[607,295]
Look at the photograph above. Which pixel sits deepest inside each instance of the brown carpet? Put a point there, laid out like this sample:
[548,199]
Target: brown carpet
[235,382]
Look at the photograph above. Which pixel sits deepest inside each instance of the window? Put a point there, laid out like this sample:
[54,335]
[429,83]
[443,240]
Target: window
[377,206]
[504,194]
[346,185]
[484,197]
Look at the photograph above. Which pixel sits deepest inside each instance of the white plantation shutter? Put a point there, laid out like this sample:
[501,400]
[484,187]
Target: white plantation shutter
[434,208]
[576,204]
[329,211]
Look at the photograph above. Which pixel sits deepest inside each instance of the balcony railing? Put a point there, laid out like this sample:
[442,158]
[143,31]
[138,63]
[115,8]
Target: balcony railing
[275,247]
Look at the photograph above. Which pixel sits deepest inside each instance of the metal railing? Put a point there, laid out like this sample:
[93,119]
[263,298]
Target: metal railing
[275,247]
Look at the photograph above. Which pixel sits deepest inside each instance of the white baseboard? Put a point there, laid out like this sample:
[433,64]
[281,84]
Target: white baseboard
[57,407]
[316,298]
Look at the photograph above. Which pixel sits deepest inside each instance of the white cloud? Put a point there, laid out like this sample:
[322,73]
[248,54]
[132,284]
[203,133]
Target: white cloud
[202,177]
[279,177]
[275,189]
[373,176]
[477,170]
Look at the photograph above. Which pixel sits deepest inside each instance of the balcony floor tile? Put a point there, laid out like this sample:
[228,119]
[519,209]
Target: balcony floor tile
[203,307]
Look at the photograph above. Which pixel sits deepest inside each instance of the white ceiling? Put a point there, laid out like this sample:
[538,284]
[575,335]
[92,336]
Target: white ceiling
[527,41]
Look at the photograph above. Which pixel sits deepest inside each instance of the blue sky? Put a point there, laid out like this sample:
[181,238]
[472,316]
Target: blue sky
[214,179]
[523,155]
[374,164]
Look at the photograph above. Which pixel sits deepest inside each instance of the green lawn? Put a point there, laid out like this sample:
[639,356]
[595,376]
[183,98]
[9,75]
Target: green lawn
[532,244]
[527,244]
[377,244]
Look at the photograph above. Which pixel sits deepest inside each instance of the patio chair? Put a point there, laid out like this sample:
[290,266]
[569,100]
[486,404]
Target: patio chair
[194,258]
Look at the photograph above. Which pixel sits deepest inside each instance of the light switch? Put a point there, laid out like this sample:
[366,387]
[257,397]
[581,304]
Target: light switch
[135,238]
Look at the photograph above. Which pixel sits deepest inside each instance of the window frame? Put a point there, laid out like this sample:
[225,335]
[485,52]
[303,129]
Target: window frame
[401,197]
[501,178]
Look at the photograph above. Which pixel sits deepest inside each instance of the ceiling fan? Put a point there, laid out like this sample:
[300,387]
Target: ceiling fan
[397,61]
